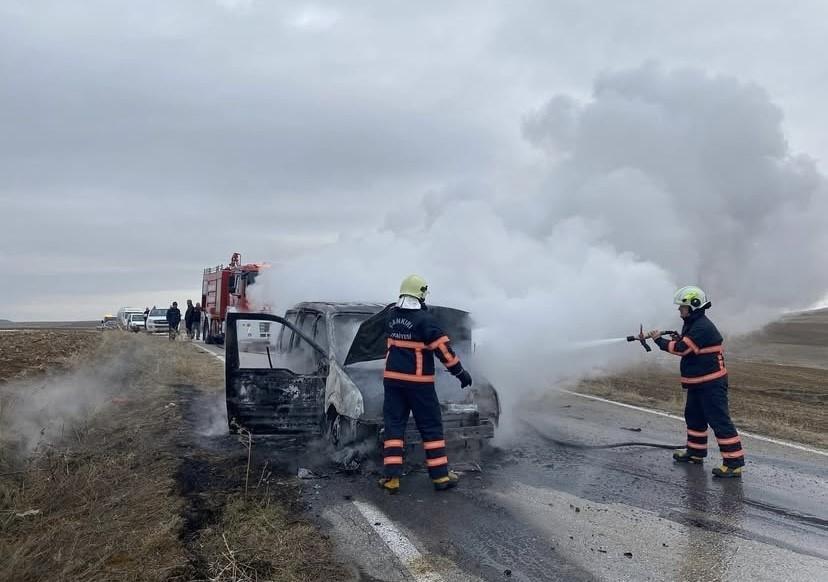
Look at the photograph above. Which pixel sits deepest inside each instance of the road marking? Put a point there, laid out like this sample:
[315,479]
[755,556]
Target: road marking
[408,555]
[211,352]
[758,437]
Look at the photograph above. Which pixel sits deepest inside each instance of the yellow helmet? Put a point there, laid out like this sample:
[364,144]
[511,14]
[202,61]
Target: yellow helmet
[692,297]
[415,286]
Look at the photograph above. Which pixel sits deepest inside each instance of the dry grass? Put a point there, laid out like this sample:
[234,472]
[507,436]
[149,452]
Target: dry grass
[125,492]
[104,493]
[259,539]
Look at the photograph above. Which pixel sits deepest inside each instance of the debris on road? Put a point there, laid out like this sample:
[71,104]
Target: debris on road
[308,474]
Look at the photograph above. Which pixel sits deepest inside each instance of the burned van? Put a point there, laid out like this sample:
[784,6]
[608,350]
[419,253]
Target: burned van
[318,372]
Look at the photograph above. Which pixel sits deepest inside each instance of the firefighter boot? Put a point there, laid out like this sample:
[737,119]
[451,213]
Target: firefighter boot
[725,472]
[391,485]
[685,457]
[445,483]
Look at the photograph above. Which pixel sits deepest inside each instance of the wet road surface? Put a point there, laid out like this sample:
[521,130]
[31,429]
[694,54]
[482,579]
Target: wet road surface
[543,511]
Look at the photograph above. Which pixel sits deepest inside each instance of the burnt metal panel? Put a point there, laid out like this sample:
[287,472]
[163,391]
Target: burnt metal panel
[276,402]
[271,401]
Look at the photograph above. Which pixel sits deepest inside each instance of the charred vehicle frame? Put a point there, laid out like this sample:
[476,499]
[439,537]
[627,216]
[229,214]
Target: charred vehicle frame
[339,395]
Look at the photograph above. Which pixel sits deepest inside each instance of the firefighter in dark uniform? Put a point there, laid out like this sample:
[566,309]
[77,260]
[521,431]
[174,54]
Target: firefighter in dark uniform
[704,376]
[414,338]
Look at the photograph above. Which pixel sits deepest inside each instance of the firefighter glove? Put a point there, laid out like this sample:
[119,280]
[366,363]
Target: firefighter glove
[465,378]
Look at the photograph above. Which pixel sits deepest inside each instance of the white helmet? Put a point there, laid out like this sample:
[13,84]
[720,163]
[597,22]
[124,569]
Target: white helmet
[692,297]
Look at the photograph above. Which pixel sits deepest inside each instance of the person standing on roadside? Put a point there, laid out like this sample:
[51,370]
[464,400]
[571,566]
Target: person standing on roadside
[196,322]
[173,319]
[188,319]
[146,316]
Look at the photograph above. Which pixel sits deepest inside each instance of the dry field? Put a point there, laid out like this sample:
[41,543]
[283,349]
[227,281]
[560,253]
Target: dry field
[115,465]
[34,353]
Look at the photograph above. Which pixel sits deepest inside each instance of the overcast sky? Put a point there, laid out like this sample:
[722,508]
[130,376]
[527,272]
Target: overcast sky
[143,141]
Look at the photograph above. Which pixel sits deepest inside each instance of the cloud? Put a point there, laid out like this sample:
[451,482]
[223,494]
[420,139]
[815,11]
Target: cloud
[193,129]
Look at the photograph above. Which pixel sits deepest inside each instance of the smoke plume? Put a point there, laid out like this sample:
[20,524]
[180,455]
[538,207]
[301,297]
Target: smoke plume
[660,179]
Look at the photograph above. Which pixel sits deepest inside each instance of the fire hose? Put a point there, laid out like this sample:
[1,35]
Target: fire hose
[571,445]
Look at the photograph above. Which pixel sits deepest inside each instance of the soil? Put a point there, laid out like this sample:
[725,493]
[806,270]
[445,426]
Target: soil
[34,353]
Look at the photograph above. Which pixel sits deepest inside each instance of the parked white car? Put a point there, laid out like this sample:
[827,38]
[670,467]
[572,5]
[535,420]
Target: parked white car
[135,322]
[157,321]
[124,314]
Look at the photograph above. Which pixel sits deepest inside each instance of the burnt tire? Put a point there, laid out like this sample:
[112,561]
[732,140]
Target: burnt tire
[341,431]
[338,430]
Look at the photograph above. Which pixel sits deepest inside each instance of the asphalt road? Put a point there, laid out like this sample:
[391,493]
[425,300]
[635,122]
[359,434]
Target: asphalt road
[540,510]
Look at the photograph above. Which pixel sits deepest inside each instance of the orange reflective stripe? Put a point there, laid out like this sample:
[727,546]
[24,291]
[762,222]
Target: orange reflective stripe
[450,359]
[697,433]
[418,356]
[734,455]
[437,342]
[431,445]
[696,446]
[394,443]
[437,462]
[393,460]
[406,344]
[691,344]
[452,362]
[671,348]
[700,379]
[730,441]
[408,377]
[712,350]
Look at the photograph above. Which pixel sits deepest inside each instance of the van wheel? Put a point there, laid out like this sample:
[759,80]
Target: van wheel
[342,431]
[338,429]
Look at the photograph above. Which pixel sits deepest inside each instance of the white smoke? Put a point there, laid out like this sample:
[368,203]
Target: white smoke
[693,173]
[661,179]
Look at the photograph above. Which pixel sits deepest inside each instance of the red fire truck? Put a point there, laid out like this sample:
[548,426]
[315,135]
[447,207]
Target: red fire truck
[223,288]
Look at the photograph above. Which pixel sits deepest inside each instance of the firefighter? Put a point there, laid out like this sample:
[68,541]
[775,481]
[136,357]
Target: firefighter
[413,338]
[704,376]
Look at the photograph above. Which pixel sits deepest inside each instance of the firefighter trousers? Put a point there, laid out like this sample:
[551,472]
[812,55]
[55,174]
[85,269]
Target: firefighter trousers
[707,406]
[401,400]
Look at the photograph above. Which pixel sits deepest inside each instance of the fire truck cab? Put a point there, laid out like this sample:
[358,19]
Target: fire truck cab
[224,288]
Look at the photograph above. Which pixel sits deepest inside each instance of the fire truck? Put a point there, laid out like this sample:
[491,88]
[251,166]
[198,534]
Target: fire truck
[224,288]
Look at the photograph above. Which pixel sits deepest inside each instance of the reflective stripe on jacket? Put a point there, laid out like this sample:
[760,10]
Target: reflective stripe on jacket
[700,348]
[413,338]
